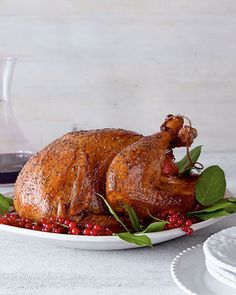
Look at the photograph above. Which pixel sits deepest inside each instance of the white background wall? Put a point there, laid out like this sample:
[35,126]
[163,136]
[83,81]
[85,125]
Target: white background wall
[122,63]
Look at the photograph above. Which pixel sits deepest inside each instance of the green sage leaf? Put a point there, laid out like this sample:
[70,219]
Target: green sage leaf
[155,226]
[140,240]
[5,204]
[231,209]
[214,214]
[183,164]
[219,205]
[117,218]
[211,185]
[133,218]
[232,200]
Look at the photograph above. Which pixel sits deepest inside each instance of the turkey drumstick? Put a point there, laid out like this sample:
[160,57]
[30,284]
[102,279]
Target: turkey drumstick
[136,175]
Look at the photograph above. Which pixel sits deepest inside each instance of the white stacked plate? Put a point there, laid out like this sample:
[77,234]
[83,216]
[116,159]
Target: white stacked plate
[208,269]
[220,255]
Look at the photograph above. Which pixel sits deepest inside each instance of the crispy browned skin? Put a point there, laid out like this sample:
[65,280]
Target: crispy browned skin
[62,179]
[135,174]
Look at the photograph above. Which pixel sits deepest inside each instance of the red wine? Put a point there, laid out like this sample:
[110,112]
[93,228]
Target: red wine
[8,177]
[11,165]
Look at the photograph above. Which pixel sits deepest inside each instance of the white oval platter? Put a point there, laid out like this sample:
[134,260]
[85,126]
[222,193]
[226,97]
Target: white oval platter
[100,242]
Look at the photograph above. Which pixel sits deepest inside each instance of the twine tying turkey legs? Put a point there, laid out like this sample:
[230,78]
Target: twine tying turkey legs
[197,165]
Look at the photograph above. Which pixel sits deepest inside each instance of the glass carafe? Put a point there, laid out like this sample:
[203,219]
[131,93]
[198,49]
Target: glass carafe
[15,150]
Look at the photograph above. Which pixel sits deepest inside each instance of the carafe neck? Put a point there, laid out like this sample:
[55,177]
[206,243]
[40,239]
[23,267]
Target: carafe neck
[7,65]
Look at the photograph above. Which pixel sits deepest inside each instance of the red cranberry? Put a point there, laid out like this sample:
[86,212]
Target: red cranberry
[86,232]
[75,231]
[93,232]
[52,219]
[7,215]
[55,225]
[184,228]
[21,223]
[36,227]
[189,231]
[61,219]
[172,219]
[43,221]
[13,217]
[28,225]
[57,230]
[72,224]
[180,221]
[171,212]
[6,221]
[48,226]
[98,227]
[89,225]
[15,223]
[44,229]
[175,215]
[108,232]
[188,222]
[67,222]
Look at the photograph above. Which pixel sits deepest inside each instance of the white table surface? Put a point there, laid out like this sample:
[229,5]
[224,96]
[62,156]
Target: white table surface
[33,267]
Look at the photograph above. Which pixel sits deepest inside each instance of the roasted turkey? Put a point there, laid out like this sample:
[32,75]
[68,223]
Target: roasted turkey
[125,167]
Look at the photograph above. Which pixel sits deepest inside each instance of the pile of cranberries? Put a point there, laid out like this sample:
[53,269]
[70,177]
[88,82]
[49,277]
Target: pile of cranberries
[58,226]
[67,226]
[176,219]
